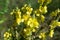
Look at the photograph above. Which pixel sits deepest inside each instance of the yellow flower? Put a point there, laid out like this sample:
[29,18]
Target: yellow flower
[22,8]
[53,14]
[42,35]
[25,17]
[7,34]
[51,26]
[29,10]
[18,20]
[37,13]
[17,14]
[27,31]
[12,12]
[25,5]
[4,35]
[32,22]
[43,9]
[10,34]
[28,13]
[51,33]
[54,23]
[58,10]
[33,30]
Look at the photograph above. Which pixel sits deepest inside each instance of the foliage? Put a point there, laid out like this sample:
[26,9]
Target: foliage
[3,7]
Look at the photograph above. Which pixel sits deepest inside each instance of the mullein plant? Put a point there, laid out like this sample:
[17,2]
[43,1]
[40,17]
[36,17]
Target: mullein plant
[32,24]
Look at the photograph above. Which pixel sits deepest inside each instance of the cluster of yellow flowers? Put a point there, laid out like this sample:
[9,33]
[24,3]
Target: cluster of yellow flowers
[7,35]
[27,9]
[43,9]
[30,17]
[55,13]
[28,31]
[25,17]
[32,22]
[17,15]
[54,23]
